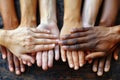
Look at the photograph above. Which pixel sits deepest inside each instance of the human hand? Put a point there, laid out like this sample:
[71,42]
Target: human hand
[75,58]
[46,57]
[95,39]
[26,40]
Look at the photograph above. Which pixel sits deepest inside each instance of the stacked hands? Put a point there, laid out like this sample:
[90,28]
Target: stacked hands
[42,43]
[78,42]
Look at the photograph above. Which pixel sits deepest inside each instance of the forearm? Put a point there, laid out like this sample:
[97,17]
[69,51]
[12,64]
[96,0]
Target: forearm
[72,11]
[109,13]
[8,14]
[90,11]
[47,11]
[28,12]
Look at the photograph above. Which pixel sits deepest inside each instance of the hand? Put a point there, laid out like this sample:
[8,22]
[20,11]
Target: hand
[14,64]
[96,39]
[46,57]
[75,58]
[26,40]
[101,65]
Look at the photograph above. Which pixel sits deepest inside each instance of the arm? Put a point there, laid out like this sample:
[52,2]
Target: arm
[48,22]
[8,14]
[90,12]
[48,11]
[72,12]
[28,13]
[108,19]
[110,12]
[72,19]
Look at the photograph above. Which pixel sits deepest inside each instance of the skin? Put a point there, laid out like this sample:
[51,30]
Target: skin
[72,19]
[29,42]
[90,12]
[28,16]
[48,22]
[108,19]
[10,21]
[92,39]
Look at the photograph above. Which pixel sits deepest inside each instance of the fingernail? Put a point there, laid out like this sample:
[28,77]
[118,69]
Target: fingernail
[4,57]
[99,73]
[64,60]
[18,72]
[59,41]
[32,61]
[22,69]
[116,58]
[76,68]
[94,69]
[71,66]
[29,64]
[55,36]
[11,69]
[106,69]
[81,65]
[52,45]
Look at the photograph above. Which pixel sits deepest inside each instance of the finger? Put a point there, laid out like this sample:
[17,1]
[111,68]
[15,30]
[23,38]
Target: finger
[50,58]
[101,67]
[82,46]
[17,66]
[63,54]
[81,58]
[95,55]
[70,59]
[24,62]
[116,54]
[29,64]
[43,35]
[95,65]
[89,61]
[75,60]
[39,30]
[39,48]
[81,29]
[4,52]
[10,61]
[27,58]
[44,60]
[73,41]
[45,41]
[107,63]
[75,35]
[57,51]
[39,59]
[22,67]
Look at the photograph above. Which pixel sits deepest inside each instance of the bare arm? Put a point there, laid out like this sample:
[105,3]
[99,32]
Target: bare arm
[8,14]
[72,11]
[110,12]
[90,12]
[28,12]
[48,11]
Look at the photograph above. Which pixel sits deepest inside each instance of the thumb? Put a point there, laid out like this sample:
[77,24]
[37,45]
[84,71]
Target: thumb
[94,55]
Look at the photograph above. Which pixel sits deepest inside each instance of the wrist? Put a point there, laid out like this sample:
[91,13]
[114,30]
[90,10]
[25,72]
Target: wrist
[116,30]
[48,21]
[3,37]
[11,24]
[72,22]
[28,22]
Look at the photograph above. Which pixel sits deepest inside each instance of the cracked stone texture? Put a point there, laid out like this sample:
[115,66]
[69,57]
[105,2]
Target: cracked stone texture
[60,70]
